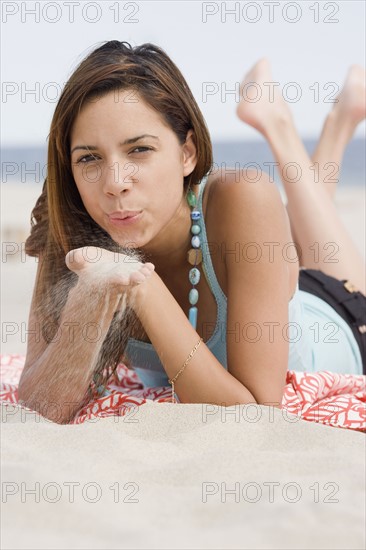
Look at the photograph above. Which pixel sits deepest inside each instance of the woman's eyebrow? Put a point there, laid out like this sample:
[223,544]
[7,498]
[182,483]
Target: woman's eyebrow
[126,142]
[134,139]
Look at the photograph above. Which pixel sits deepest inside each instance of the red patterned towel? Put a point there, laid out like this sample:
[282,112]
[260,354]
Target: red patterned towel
[333,399]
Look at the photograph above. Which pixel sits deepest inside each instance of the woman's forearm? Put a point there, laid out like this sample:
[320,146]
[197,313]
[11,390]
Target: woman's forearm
[56,383]
[204,380]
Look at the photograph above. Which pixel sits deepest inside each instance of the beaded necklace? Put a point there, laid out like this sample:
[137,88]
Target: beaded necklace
[194,257]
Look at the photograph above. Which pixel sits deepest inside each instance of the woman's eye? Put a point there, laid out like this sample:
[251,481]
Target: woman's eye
[141,149]
[85,159]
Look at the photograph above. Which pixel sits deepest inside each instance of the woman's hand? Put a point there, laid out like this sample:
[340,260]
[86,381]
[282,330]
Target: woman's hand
[102,267]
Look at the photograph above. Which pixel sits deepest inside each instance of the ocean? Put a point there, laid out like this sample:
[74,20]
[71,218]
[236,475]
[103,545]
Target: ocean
[28,164]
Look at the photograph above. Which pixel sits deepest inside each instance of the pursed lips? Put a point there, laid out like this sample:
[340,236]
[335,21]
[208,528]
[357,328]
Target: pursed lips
[122,215]
[124,218]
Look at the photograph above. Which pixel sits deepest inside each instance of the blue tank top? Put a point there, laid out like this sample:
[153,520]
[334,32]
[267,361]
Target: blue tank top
[319,339]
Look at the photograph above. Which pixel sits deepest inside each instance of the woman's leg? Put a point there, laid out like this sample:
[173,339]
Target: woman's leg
[317,228]
[348,111]
[339,126]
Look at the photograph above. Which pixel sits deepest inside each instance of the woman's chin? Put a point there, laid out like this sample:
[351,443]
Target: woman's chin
[125,242]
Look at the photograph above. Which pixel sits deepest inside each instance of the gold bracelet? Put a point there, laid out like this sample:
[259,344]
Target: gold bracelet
[183,367]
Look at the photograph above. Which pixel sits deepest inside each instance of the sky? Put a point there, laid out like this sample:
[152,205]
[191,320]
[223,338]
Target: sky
[310,46]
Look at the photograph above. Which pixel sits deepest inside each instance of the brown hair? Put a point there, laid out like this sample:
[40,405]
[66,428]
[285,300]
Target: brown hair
[59,221]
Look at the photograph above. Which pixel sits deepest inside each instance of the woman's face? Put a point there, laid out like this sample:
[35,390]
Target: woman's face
[126,160]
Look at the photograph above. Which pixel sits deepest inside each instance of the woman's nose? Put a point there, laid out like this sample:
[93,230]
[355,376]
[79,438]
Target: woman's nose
[118,177]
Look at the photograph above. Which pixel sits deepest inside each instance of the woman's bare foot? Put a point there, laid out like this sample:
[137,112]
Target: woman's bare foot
[261,103]
[102,266]
[351,102]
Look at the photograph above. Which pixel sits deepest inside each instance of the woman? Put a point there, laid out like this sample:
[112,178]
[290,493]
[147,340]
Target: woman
[123,232]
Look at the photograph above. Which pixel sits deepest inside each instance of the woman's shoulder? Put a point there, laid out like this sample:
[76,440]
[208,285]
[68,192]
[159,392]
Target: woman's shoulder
[226,196]
[228,190]
[245,211]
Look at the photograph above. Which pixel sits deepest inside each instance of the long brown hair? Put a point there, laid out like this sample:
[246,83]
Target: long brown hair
[59,221]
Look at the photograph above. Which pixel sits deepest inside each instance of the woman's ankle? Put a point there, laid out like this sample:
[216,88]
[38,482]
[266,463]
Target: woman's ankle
[280,124]
[340,127]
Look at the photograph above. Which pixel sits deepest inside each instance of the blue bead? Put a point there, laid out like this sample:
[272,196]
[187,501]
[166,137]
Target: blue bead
[193,296]
[193,316]
[195,215]
[100,389]
[195,241]
[194,276]
[195,229]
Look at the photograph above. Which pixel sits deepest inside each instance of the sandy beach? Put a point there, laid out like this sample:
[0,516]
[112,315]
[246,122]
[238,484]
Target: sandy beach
[173,479]
[173,476]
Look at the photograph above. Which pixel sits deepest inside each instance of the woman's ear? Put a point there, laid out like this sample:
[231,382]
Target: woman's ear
[189,154]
